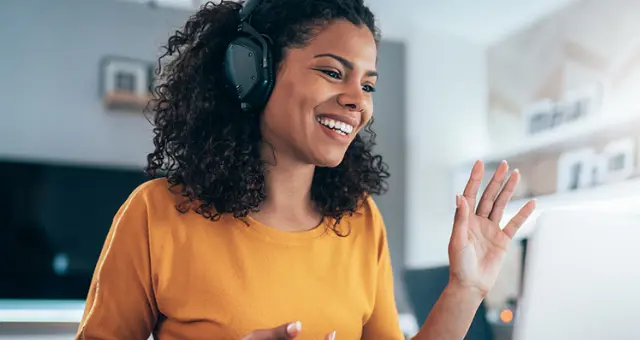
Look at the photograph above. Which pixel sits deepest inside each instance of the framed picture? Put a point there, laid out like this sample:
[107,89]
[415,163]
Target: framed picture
[575,170]
[125,83]
[615,162]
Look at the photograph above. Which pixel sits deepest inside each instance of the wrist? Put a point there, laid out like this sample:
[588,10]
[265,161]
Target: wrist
[471,294]
[453,313]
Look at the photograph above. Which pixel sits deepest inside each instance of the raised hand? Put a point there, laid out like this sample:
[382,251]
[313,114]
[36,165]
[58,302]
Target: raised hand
[286,331]
[478,245]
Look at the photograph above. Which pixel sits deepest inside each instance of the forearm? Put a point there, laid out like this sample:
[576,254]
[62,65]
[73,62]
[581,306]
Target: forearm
[452,314]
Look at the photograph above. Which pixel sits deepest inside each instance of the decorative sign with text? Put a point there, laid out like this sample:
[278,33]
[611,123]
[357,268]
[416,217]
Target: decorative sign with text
[575,106]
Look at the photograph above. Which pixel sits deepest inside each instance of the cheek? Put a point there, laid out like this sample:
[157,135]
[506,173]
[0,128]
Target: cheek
[281,106]
[294,96]
[367,116]
[311,92]
[289,108]
[302,100]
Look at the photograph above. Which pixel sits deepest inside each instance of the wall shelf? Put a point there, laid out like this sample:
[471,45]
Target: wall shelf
[599,127]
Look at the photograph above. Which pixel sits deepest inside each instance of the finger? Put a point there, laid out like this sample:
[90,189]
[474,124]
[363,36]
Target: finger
[331,336]
[517,221]
[283,332]
[504,197]
[460,221]
[492,190]
[471,189]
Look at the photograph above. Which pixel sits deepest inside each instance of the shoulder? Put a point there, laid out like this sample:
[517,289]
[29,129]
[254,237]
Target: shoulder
[367,230]
[368,220]
[369,210]
[151,188]
[152,196]
[370,205]
[154,192]
[150,210]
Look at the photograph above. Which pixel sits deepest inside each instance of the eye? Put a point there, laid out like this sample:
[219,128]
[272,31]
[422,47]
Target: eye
[332,74]
[369,88]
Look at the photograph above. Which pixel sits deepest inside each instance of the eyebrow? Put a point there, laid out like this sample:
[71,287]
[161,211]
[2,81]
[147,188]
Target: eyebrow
[348,64]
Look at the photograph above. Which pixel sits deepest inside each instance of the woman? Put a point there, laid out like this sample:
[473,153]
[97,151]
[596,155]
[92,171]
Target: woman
[262,226]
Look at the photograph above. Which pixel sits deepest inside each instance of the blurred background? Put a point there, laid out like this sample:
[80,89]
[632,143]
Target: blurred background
[551,86]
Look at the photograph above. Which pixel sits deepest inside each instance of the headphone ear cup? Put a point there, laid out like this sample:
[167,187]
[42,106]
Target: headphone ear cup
[249,78]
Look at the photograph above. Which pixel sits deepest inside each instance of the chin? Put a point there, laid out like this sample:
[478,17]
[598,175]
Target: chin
[329,159]
[329,164]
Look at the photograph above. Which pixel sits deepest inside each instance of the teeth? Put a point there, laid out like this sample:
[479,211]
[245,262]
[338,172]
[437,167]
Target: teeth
[339,127]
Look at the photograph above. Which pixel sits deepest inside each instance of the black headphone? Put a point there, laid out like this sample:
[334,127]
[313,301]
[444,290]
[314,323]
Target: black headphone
[248,64]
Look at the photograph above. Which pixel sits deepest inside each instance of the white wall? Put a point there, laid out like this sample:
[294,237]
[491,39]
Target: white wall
[446,124]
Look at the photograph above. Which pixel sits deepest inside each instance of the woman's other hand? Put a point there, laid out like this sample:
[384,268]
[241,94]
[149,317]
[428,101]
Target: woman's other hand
[286,331]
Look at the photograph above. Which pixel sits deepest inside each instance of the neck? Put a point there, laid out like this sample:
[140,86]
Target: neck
[288,186]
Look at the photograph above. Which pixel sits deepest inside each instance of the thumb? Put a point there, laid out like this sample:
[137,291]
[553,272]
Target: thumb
[460,220]
[331,336]
[283,332]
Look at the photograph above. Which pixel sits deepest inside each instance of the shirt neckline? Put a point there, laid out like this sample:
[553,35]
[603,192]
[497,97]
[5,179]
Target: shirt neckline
[276,235]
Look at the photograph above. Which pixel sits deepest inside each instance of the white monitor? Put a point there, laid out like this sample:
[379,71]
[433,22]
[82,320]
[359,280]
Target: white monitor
[581,277]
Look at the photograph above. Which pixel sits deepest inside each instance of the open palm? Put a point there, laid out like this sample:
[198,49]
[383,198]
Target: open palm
[478,245]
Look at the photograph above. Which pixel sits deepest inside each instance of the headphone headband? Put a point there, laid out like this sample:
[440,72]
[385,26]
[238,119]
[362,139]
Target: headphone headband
[247,9]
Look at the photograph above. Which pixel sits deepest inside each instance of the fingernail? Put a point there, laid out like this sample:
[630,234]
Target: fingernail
[516,170]
[294,328]
[332,336]
[457,200]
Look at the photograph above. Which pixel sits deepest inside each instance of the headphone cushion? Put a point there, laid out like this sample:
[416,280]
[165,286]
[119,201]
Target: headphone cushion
[248,79]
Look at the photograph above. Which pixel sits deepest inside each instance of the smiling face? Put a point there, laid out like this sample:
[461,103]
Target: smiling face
[323,95]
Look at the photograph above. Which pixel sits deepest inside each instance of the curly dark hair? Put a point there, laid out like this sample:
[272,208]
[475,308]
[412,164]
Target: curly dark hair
[209,149]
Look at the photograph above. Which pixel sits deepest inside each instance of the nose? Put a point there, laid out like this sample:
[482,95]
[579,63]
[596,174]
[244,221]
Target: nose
[352,99]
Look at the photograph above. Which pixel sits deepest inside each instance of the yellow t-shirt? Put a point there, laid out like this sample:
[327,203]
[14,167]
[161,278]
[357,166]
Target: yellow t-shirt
[181,276]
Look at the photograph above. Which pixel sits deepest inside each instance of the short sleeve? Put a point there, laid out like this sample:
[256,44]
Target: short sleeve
[121,301]
[383,323]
